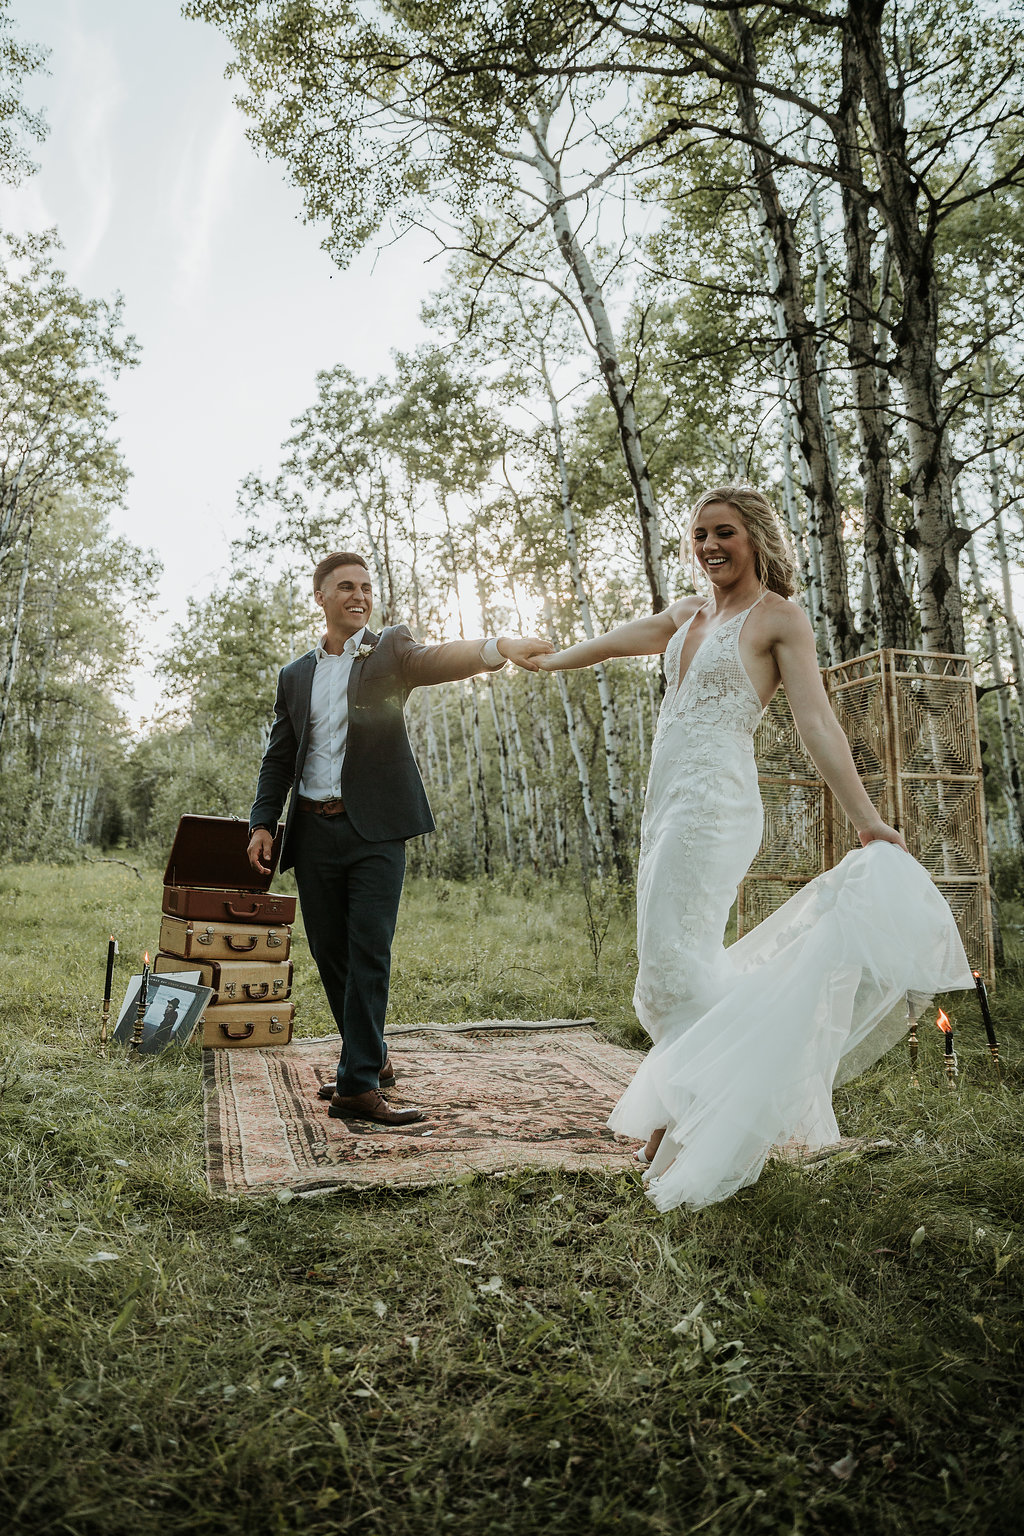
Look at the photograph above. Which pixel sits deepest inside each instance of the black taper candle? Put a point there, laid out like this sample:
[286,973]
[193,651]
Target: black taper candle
[986,1014]
[111,952]
[107,984]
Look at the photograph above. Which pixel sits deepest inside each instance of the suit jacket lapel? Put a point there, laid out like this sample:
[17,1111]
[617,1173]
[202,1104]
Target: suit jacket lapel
[369,638]
[304,692]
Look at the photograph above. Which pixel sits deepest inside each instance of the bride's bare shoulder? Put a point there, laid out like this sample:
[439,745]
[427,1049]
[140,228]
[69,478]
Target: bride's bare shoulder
[784,615]
[778,621]
[684,608]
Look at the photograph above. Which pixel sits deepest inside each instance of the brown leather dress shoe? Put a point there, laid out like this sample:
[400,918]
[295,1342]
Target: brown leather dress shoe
[371,1105]
[387,1080]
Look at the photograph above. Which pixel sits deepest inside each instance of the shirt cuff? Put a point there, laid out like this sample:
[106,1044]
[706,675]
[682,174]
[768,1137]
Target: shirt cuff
[491,656]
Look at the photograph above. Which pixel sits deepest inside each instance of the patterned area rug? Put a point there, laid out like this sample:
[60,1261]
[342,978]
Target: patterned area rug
[499,1096]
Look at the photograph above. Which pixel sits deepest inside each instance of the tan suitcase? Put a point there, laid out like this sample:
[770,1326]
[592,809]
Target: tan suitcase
[223,941]
[252,1024]
[236,981]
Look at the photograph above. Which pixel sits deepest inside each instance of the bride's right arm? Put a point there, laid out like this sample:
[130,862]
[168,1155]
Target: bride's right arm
[640,637]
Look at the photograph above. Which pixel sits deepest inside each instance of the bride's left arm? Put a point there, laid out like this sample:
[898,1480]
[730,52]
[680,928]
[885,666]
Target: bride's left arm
[820,731]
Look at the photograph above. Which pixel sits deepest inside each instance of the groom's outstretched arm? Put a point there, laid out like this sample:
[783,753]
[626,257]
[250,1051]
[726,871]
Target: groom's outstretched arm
[454,659]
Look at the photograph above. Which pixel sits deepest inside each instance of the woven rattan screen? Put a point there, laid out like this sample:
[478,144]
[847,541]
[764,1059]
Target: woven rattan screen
[912,724]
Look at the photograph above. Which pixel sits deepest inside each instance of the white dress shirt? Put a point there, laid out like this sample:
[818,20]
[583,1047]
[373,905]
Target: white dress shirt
[328,716]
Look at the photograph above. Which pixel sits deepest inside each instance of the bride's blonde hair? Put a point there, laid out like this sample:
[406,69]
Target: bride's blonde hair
[772,558]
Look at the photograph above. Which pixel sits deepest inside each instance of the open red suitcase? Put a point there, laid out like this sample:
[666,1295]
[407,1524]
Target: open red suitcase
[209,878]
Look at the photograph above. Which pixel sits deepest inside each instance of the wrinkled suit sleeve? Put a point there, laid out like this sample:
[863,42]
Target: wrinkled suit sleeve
[277,769]
[421,665]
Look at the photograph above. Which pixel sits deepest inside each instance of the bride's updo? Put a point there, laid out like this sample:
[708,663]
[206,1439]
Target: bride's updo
[772,558]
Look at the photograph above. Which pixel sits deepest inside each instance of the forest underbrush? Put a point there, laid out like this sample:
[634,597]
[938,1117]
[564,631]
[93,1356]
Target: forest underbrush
[837,1349]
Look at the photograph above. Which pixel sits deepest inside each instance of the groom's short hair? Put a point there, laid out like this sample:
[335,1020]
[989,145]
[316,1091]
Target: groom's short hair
[331,562]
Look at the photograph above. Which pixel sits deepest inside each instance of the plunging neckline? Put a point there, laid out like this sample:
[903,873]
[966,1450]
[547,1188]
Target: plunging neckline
[724,624]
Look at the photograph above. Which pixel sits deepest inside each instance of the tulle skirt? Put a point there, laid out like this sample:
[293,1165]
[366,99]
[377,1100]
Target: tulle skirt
[815,994]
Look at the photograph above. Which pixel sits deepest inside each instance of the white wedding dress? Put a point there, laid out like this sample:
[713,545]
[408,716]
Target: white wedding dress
[749,1041]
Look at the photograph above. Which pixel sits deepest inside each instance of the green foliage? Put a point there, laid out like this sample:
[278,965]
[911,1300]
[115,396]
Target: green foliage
[55,417]
[836,1349]
[422,100]
[71,640]
[18,60]
[1008,876]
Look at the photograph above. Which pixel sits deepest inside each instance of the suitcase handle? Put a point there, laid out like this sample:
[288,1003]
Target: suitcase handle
[238,1034]
[254,990]
[249,943]
[234,911]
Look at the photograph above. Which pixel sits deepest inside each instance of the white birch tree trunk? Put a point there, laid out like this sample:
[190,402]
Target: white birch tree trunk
[609,723]
[1008,741]
[524,786]
[14,643]
[995,492]
[619,393]
[503,774]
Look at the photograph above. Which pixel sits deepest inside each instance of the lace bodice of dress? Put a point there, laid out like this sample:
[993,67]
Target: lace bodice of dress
[716,692]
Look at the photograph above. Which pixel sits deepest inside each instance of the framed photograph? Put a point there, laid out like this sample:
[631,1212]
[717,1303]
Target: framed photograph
[173,1009]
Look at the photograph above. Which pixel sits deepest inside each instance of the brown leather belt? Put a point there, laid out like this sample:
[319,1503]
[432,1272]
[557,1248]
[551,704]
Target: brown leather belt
[321,807]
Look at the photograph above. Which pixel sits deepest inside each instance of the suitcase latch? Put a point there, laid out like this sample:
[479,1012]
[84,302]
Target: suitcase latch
[275,1025]
[206,938]
[230,988]
[278,983]
[274,939]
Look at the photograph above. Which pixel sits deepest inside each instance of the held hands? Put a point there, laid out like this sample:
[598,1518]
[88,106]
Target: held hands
[880,832]
[259,850]
[524,650]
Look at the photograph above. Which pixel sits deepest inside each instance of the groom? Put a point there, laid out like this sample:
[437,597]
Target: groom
[339,742]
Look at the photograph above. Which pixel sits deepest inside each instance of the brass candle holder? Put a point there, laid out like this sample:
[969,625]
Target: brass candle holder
[952,1066]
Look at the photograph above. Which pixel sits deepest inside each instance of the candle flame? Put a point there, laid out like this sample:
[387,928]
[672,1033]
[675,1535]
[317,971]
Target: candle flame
[146,957]
[976,975]
[943,1023]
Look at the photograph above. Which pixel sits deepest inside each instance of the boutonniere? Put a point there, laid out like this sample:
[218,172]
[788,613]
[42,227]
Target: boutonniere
[364,650]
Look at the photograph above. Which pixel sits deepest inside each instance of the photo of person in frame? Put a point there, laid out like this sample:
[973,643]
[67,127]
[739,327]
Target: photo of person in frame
[173,1009]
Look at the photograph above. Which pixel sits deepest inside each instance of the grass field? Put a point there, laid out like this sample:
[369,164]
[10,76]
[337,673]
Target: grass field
[835,1350]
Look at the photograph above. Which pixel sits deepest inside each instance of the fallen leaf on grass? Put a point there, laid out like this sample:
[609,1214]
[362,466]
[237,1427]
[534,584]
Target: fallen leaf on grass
[917,1239]
[490,1287]
[102,1257]
[843,1469]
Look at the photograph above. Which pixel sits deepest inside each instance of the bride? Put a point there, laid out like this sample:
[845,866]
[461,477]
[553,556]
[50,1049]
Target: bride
[748,1042]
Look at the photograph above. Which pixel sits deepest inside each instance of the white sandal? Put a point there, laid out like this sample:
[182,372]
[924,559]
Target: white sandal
[642,1158]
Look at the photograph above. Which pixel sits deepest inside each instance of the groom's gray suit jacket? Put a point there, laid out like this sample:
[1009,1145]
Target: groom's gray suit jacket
[380,782]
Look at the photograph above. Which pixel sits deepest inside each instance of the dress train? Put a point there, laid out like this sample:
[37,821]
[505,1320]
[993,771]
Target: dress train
[812,997]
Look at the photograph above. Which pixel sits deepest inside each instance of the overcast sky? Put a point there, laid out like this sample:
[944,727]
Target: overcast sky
[147,174]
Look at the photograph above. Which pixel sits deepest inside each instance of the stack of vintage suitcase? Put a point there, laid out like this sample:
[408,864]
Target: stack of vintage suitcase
[220,918]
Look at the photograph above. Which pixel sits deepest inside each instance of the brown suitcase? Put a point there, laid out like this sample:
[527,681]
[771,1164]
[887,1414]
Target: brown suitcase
[236,981]
[248,1024]
[201,941]
[209,877]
